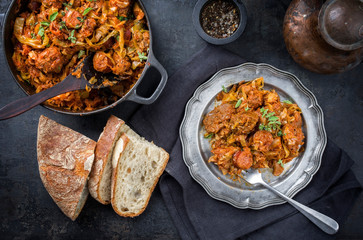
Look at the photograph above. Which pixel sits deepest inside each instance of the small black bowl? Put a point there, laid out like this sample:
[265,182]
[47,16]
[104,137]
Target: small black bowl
[219,41]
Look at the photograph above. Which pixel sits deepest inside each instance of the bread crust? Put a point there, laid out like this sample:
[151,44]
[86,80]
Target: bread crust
[115,173]
[115,177]
[103,152]
[65,159]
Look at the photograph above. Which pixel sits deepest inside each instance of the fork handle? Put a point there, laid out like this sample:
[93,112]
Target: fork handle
[324,222]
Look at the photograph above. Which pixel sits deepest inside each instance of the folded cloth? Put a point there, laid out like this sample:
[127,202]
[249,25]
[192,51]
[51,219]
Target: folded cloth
[196,215]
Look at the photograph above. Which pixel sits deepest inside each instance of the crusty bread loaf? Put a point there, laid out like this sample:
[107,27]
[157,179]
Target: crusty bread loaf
[65,159]
[99,183]
[137,165]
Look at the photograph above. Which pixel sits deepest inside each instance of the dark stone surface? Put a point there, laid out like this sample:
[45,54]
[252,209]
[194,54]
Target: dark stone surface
[26,209]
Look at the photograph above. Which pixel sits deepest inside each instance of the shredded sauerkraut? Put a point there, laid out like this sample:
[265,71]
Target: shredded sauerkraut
[252,128]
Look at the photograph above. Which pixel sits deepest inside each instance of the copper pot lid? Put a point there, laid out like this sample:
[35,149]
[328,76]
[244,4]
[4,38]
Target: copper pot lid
[306,45]
[341,23]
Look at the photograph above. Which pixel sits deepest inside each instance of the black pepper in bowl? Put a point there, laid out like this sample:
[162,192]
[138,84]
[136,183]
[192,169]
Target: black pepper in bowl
[219,22]
[220,18]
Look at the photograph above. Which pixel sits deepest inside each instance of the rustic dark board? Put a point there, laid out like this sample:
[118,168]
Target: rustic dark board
[26,209]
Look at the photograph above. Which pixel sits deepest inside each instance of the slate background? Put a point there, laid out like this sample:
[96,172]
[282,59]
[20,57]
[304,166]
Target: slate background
[28,212]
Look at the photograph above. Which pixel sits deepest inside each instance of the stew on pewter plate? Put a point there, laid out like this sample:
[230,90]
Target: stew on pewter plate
[252,128]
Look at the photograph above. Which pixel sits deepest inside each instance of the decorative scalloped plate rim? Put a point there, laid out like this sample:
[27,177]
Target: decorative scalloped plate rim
[298,173]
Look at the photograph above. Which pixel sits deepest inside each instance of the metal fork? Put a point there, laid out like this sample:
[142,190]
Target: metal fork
[324,222]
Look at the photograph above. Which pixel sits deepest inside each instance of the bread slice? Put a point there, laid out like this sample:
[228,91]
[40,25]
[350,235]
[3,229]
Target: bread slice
[129,132]
[137,165]
[99,183]
[65,159]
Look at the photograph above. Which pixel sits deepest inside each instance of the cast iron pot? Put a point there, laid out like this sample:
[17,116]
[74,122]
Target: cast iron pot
[131,95]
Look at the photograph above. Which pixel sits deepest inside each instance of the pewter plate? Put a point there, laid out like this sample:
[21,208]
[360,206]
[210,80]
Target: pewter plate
[196,149]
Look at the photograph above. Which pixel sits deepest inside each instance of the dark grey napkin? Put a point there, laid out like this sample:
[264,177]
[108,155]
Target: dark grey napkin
[196,215]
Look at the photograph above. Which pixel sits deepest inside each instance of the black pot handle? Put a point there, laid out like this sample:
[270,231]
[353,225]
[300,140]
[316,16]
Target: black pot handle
[153,62]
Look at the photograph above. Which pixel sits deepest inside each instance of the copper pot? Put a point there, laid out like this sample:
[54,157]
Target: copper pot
[305,43]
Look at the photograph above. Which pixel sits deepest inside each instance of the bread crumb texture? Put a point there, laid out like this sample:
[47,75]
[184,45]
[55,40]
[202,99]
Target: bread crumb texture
[139,168]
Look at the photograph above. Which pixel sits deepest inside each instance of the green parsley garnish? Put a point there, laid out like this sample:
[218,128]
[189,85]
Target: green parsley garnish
[63,13]
[81,19]
[81,53]
[263,111]
[72,37]
[121,18]
[224,89]
[41,31]
[87,10]
[63,25]
[142,56]
[209,135]
[118,37]
[279,133]
[287,101]
[247,108]
[264,127]
[238,103]
[53,16]
[45,24]
[33,35]
[273,121]
[280,162]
